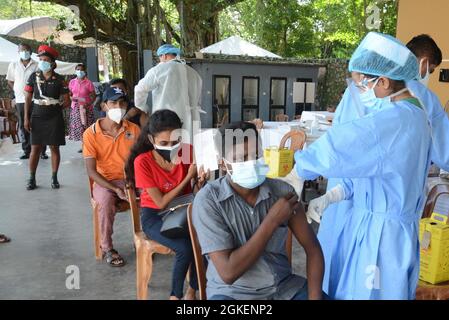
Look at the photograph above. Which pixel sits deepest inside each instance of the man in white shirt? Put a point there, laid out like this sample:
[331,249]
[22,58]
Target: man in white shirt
[174,85]
[17,76]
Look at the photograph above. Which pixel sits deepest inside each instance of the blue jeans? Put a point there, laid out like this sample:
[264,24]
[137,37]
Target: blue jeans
[151,226]
[302,294]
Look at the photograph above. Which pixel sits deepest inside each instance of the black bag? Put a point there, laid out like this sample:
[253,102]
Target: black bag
[174,220]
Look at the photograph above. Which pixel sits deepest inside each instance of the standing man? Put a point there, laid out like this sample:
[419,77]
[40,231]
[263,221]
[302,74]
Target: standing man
[18,73]
[175,86]
[430,57]
[46,123]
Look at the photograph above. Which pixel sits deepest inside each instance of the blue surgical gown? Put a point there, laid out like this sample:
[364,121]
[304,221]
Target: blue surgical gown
[335,215]
[381,160]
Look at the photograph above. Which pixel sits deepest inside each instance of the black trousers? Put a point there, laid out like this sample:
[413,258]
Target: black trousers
[25,135]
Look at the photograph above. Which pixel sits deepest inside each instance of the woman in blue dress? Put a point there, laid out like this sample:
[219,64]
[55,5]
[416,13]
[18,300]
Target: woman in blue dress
[381,158]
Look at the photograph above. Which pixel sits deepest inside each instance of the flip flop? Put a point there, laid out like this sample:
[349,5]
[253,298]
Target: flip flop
[4,239]
[114,259]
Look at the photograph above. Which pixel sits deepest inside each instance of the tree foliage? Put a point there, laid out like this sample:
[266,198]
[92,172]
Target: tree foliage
[290,28]
[307,28]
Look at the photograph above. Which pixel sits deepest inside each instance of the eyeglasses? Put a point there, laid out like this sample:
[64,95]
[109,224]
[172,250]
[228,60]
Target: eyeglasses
[364,83]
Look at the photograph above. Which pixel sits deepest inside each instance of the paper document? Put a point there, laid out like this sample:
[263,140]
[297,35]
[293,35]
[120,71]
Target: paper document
[206,154]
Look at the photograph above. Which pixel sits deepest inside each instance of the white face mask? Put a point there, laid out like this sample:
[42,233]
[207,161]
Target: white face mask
[116,114]
[248,174]
[424,80]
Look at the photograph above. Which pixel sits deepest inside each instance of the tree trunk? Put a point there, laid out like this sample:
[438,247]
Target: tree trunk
[199,25]
[129,66]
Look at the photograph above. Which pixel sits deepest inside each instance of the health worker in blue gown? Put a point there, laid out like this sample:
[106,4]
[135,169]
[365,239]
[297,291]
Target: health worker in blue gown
[381,157]
[430,57]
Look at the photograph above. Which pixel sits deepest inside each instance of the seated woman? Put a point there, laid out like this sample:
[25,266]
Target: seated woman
[161,167]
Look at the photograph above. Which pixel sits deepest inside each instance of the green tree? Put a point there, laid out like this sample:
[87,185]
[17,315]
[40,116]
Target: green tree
[117,21]
[284,27]
[15,9]
[307,28]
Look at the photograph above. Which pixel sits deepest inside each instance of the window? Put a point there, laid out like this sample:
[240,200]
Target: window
[278,89]
[221,100]
[303,95]
[250,98]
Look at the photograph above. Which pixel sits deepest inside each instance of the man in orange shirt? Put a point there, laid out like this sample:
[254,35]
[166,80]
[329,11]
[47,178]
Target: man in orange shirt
[106,147]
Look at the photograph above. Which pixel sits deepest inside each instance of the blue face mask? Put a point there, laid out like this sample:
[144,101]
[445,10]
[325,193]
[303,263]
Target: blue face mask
[25,55]
[249,174]
[44,66]
[80,74]
[369,98]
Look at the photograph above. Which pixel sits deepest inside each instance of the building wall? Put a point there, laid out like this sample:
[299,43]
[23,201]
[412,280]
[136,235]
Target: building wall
[429,17]
[207,71]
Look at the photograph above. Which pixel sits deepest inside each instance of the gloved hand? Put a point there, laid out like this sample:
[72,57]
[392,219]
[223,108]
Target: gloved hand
[318,205]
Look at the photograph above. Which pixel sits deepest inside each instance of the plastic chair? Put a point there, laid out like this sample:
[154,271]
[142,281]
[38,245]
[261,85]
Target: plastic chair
[281,117]
[145,248]
[297,140]
[199,259]
[427,291]
[122,206]
[223,121]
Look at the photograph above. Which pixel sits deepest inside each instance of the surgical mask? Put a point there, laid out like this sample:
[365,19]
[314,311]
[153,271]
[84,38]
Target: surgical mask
[248,174]
[44,66]
[116,114]
[168,153]
[370,100]
[80,74]
[368,97]
[424,80]
[25,55]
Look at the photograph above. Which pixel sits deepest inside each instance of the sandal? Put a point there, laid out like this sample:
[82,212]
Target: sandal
[55,183]
[4,239]
[31,184]
[113,258]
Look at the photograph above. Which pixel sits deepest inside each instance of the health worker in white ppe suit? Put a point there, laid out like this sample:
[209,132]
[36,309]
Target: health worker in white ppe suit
[174,86]
[381,159]
[333,215]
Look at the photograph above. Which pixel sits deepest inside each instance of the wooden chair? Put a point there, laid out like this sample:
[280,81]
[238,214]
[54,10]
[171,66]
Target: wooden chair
[427,291]
[197,256]
[281,117]
[10,122]
[122,206]
[145,248]
[199,259]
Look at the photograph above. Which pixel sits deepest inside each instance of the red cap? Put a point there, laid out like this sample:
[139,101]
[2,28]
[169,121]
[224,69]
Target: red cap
[44,50]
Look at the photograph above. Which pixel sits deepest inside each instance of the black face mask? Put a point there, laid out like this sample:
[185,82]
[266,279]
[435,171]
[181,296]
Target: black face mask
[166,154]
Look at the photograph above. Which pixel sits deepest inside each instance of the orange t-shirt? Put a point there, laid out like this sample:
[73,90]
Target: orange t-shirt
[109,152]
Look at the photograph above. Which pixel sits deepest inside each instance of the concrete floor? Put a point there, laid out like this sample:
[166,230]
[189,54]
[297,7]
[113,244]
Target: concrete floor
[52,230]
